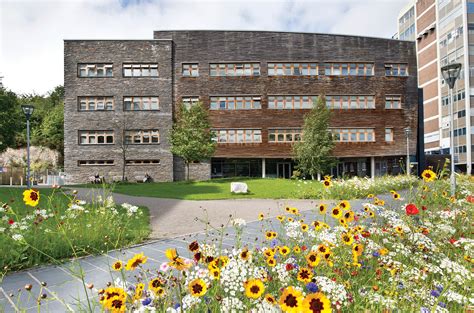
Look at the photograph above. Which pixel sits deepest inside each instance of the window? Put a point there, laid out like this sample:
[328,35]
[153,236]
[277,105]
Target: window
[388,134]
[353,134]
[142,162]
[139,137]
[350,102]
[349,69]
[95,162]
[291,102]
[190,69]
[393,102]
[140,70]
[235,103]
[292,69]
[188,102]
[460,95]
[95,103]
[141,103]
[95,70]
[284,135]
[238,135]
[460,132]
[234,69]
[396,69]
[96,137]
[460,149]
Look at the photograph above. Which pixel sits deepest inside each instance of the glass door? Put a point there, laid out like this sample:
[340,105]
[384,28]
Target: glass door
[284,170]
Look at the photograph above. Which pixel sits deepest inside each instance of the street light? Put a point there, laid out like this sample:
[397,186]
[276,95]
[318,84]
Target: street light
[407,135]
[450,74]
[28,110]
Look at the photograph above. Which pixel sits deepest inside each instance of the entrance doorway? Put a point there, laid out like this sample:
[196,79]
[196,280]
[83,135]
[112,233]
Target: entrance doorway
[284,170]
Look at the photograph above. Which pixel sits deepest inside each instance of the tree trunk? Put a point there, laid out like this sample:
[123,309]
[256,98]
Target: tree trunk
[312,176]
[123,168]
[319,176]
[187,172]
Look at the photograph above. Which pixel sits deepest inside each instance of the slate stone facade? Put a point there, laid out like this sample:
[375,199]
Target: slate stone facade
[173,48]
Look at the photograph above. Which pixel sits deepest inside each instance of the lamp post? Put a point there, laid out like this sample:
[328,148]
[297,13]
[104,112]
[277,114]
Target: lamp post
[28,110]
[450,74]
[407,135]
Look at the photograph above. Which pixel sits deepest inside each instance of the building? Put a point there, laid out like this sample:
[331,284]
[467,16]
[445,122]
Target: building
[406,23]
[444,34]
[257,86]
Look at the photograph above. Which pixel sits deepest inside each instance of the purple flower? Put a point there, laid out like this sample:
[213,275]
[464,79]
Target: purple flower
[312,287]
[376,254]
[442,304]
[435,293]
[146,301]
[440,288]
[424,310]
[176,306]
[274,243]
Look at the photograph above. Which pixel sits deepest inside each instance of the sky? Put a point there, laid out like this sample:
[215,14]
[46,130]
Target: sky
[32,31]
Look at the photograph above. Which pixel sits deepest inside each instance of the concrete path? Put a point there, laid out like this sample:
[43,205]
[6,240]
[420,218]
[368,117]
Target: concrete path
[173,219]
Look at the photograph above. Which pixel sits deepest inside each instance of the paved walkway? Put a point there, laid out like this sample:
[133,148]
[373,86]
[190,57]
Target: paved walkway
[173,219]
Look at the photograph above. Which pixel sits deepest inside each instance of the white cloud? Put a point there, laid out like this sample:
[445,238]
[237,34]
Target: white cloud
[32,31]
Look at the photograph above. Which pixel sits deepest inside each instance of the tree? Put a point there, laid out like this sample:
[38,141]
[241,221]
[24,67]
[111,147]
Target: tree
[51,131]
[313,153]
[122,124]
[191,138]
[10,119]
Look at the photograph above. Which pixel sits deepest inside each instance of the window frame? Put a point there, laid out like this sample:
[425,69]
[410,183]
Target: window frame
[331,102]
[398,67]
[293,132]
[232,69]
[391,134]
[105,65]
[191,70]
[350,68]
[141,67]
[141,162]
[292,68]
[141,133]
[234,132]
[141,98]
[88,163]
[341,133]
[97,133]
[392,100]
[224,102]
[95,100]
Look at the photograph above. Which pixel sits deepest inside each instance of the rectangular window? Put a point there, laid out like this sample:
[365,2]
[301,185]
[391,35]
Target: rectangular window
[143,162]
[95,70]
[292,102]
[235,103]
[393,102]
[190,69]
[388,134]
[234,69]
[396,69]
[188,102]
[95,162]
[141,103]
[96,137]
[349,69]
[140,70]
[139,137]
[95,103]
[350,102]
[353,134]
[292,69]
[238,135]
[284,135]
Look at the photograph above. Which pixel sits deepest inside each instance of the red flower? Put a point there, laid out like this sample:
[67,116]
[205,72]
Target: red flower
[411,209]
[470,199]
[356,237]
[11,221]
[424,208]
[304,248]
[289,267]
[452,240]
[365,234]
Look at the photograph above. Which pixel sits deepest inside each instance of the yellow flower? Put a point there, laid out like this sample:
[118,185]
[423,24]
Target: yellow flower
[281,218]
[343,222]
[117,266]
[383,251]
[269,253]
[316,303]
[305,274]
[114,299]
[348,239]
[197,287]
[322,249]
[176,261]
[271,261]
[254,288]
[245,254]
[135,261]
[428,175]
[291,300]
[358,248]
[349,216]
[336,212]
[396,196]
[322,208]
[370,195]
[313,259]
[155,284]
[261,216]
[294,211]
[344,204]
[317,225]
[297,249]
[116,304]
[304,227]
[290,219]
[215,273]
[31,197]
[372,214]
[284,250]
[138,291]
[270,299]
[399,230]
[327,177]
[327,183]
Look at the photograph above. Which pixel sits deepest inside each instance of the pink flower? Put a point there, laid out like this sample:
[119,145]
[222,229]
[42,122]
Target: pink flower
[164,267]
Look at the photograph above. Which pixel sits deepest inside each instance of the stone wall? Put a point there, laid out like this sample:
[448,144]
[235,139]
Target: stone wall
[197,171]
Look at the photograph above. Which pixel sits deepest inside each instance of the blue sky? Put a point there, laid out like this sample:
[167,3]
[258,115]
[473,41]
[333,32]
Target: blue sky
[32,31]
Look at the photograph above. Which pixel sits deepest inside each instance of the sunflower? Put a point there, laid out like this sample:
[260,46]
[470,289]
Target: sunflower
[322,249]
[197,287]
[294,211]
[271,261]
[31,197]
[116,304]
[316,302]
[269,235]
[428,175]
[281,218]
[349,216]
[193,247]
[269,253]
[287,209]
[254,288]
[284,250]
[322,208]
[383,251]
[396,196]
[245,254]
[327,177]
[336,212]
[343,222]
[425,188]
[176,261]
[155,284]
[135,261]
[305,274]
[313,259]
[372,214]
[344,204]
[261,216]
[399,230]
[370,195]
[290,219]
[304,227]
[138,291]
[327,257]
[358,249]
[291,300]
[215,273]
[317,225]
[270,299]
[117,266]
[297,250]
[327,183]
[110,293]
[348,239]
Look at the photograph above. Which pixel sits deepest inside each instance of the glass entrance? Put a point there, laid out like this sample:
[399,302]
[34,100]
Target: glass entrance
[284,170]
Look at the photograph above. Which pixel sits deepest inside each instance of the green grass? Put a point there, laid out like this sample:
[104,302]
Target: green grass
[62,233]
[219,189]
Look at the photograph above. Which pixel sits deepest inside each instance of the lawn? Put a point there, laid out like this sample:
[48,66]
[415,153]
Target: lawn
[60,227]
